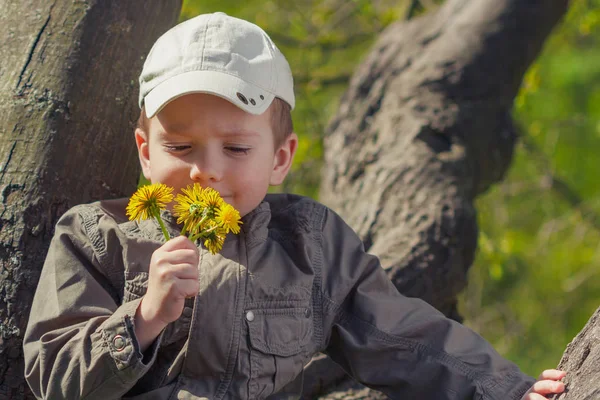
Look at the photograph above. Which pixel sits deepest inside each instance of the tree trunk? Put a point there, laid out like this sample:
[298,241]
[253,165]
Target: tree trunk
[67,106]
[424,128]
[581,360]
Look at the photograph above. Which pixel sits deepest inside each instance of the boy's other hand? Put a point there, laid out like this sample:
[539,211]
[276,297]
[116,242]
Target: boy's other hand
[173,276]
[547,384]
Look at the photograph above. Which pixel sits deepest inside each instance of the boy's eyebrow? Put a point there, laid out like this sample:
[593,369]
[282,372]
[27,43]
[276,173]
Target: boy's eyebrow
[183,130]
[175,128]
[237,132]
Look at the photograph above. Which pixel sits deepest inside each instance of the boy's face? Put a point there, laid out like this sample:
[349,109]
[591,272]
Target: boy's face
[206,139]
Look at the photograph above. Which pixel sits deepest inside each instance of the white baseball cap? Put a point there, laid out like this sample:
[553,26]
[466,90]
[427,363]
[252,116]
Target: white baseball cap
[220,55]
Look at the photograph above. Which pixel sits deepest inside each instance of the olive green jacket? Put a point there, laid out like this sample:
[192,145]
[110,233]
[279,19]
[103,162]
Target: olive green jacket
[296,281]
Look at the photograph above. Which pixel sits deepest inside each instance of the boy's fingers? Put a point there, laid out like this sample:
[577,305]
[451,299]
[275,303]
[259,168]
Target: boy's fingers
[185,271]
[177,271]
[179,256]
[182,255]
[552,374]
[179,242]
[548,387]
[188,288]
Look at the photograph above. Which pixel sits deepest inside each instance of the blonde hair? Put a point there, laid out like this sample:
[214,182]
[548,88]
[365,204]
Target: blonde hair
[281,121]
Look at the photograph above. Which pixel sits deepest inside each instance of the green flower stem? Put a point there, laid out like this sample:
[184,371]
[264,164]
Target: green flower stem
[197,236]
[162,225]
[212,228]
[201,234]
[184,229]
[194,229]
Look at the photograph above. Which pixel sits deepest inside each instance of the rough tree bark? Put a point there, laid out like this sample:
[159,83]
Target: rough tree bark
[581,360]
[67,103]
[424,128]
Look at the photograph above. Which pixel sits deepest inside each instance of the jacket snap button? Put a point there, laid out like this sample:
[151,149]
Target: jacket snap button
[250,316]
[307,313]
[119,342]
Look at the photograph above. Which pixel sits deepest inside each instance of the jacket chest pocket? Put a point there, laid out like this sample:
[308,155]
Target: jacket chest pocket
[279,341]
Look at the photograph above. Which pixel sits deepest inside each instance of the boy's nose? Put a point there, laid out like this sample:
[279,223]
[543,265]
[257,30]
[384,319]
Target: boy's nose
[205,172]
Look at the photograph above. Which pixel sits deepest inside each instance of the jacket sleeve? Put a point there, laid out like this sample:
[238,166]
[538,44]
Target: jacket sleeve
[79,343]
[402,346]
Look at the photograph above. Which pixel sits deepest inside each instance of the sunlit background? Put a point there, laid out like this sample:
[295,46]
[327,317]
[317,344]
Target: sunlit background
[536,278]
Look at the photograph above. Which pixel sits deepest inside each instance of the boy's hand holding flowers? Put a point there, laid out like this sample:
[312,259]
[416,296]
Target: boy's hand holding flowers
[173,276]
[173,270]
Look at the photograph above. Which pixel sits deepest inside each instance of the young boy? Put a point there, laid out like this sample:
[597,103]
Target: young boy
[118,313]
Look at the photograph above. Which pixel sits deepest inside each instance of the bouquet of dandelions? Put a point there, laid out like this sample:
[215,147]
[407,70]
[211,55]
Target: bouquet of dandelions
[202,211]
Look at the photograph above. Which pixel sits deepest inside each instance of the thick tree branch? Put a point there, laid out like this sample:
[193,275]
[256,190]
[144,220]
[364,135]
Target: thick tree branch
[425,127]
[581,360]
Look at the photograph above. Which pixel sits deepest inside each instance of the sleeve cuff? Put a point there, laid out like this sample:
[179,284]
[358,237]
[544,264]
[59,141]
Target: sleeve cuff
[511,386]
[118,336]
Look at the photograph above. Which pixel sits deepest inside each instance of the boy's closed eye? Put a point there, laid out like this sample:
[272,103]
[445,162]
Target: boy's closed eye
[237,150]
[176,148]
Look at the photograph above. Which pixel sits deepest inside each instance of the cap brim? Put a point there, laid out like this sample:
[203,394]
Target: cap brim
[248,97]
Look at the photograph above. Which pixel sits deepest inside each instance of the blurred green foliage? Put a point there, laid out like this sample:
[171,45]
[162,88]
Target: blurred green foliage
[536,280]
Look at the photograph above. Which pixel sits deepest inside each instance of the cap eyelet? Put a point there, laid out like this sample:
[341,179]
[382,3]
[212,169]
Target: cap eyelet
[262,97]
[242,98]
[252,102]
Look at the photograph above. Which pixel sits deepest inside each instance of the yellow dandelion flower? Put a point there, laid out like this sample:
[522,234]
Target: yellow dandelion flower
[229,218]
[212,199]
[148,200]
[189,205]
[205,216]
[214,242]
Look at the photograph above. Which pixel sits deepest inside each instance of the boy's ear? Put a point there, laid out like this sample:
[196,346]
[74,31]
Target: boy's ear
[284,156]
[141,141]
